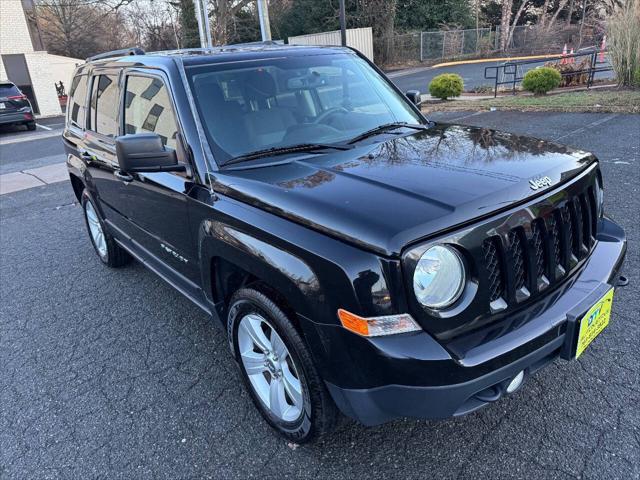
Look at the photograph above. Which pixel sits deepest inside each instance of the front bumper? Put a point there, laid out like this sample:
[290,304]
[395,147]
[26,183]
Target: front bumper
[415,376]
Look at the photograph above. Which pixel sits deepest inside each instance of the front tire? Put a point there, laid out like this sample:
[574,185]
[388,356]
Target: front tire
[277,368]
[31,126]
[105,246]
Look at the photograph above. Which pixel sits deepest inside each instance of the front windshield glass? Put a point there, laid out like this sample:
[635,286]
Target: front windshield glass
[261,104]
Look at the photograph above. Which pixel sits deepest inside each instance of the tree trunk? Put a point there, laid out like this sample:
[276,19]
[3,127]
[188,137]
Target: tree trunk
[561,5]
[571,3]
[521,9]
[505,22]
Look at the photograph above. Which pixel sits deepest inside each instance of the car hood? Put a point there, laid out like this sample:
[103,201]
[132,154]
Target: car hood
[386,195]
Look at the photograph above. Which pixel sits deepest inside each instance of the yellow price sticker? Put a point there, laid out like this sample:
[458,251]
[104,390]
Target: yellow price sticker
[595,320]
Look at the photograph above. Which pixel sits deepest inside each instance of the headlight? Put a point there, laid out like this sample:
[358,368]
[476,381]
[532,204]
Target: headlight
[599,198]
[439,277]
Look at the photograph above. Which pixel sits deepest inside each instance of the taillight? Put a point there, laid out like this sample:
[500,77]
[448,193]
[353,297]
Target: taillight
[17,97]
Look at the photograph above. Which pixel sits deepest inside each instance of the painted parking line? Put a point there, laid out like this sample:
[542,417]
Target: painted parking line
[33,177]
[44,126]
[28,137]
[588,126]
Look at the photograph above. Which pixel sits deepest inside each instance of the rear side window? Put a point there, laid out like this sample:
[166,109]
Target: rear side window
[77,101]
[148,109]
[9,90]
[104,104]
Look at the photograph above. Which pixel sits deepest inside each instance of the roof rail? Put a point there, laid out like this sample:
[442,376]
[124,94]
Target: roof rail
[117,53]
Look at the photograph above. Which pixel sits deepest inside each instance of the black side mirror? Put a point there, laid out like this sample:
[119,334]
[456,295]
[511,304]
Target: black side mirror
[144,152]
[414,96]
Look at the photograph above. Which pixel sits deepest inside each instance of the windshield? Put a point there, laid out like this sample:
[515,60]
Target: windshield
[275,103]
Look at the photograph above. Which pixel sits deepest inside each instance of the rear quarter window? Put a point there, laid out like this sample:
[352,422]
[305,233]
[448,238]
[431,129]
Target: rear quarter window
[76,106]
[104,104]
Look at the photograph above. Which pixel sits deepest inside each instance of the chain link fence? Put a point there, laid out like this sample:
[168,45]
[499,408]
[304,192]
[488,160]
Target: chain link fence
[434,46]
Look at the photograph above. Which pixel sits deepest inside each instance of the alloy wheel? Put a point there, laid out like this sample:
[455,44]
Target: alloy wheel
[95,229]
[270,367]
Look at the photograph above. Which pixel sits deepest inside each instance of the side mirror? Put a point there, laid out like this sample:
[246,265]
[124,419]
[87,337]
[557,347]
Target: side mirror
[414,96]
[144,152]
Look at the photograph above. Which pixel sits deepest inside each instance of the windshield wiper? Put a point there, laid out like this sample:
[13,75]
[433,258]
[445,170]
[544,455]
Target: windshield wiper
[385,128]
[303,147]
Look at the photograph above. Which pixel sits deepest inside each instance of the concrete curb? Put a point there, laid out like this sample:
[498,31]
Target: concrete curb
[499,59]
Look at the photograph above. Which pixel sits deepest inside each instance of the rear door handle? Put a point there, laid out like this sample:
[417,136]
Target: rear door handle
[125,177]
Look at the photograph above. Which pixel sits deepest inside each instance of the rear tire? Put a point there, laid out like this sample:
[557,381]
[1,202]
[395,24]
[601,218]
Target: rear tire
[31,126]
[105,246]
[304,410]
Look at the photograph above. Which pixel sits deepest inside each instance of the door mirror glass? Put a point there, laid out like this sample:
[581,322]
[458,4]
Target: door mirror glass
[414,96]
[145,152]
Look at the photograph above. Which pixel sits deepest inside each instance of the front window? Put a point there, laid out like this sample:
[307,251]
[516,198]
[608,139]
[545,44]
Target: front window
[281,102]
[148,109]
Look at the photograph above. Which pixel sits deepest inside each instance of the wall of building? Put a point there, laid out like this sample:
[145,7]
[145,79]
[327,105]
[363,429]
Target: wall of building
[359,38]
[14,32]
[43,81]
[44,70]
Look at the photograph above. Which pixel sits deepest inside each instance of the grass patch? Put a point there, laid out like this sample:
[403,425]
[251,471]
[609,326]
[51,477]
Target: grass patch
[617,101]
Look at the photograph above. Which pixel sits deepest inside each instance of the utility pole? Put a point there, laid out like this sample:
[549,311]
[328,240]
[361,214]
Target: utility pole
[204,29]
[343,25]
[263,15]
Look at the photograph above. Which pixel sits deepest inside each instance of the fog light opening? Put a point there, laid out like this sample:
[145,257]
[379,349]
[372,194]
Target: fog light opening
[516,382]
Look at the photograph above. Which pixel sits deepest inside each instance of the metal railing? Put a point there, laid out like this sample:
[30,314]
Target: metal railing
[512,73]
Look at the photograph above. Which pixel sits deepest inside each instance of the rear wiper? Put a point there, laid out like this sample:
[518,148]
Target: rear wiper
[385,128]
[303,147]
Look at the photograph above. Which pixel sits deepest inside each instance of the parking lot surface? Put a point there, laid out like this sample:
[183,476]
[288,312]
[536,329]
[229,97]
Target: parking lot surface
[113,374]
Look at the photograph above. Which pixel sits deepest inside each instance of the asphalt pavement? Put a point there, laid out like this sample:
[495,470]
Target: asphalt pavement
[113,374]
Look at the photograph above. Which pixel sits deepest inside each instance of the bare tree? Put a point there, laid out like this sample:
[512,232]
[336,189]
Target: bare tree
[222,14]
[79,28]
[153,25]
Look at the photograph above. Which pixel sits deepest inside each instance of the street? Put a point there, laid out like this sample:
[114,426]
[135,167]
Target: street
[113,374]
[472,74]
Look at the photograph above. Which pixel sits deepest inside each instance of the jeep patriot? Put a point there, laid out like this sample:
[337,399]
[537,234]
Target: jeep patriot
[362,259]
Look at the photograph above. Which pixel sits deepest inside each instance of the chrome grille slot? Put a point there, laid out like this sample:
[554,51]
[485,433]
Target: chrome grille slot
[493,266]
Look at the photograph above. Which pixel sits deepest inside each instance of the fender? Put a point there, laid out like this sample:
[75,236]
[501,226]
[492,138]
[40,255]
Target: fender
[285,272]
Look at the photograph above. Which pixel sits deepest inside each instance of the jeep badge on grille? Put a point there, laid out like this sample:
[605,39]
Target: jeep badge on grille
[536,183]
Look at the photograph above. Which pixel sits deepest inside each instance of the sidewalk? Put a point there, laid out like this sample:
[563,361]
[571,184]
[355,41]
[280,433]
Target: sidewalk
[33,177]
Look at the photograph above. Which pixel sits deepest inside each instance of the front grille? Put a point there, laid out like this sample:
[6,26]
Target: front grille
[541,250]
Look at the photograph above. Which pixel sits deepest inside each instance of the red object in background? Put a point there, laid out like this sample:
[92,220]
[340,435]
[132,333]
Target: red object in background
[28,116]
[603,46]
[572,59]
[17,97]
[564,55]
[63,100]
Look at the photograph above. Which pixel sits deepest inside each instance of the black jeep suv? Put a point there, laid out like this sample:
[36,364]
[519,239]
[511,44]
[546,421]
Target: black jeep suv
[361,258]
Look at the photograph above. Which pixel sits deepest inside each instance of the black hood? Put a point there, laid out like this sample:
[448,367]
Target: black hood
[386,195]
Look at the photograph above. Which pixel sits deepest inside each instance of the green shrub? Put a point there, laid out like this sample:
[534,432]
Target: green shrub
[446,85]
[541,80]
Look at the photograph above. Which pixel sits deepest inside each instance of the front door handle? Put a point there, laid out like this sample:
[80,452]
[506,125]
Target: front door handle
[86,155]
[125,177]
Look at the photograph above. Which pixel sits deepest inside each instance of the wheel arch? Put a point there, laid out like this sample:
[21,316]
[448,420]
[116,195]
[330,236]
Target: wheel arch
[232,259]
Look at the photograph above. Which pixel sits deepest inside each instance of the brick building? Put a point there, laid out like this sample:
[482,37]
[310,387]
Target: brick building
[25,61]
